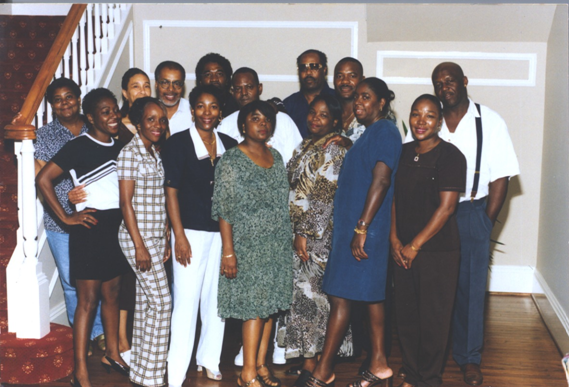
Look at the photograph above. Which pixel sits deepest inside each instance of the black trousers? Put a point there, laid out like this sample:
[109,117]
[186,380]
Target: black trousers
[424,296]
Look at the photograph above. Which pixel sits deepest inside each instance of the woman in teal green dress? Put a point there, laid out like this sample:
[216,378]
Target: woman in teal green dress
[251,203]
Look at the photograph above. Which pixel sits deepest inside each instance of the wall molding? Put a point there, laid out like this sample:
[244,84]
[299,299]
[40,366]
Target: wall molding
[57,310]
[531,58]
[128,37]
[556,306]
[248,24]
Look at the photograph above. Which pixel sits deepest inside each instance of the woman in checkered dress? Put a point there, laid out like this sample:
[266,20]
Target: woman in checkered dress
[143,237]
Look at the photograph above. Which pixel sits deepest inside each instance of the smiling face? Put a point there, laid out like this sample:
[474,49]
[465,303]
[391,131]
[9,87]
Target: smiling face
[319,120]
[206,112]
[214,74]
[153,124]
[106,117]
[367,108]
[257,127]
[311,73]
[65,104]
[169,86]
[425,120]
[449,85]
[139,86]
[347,75]
[245,89]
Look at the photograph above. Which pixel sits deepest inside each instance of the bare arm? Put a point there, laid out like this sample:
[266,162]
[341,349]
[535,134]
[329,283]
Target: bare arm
[395,243]
[229,264]
[126,192]
[340,140]
[496,199]
[376,193]
[44,182]
[181,246]
[447,205]
[38,165]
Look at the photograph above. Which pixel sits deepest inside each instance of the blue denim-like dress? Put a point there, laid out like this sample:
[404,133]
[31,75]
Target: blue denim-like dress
[346,277]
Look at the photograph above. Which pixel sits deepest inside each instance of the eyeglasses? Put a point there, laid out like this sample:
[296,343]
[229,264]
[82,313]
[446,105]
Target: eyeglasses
[310,66]
[165,84]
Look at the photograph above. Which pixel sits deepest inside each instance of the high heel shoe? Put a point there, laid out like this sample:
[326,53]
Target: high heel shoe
[212,375]
[124,370]
[75,382]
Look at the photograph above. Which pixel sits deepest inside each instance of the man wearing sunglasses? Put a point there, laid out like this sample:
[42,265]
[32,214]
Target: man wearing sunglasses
[312,71]
[169,77]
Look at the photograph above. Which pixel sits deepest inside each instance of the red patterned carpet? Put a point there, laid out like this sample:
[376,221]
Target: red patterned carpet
[24,44]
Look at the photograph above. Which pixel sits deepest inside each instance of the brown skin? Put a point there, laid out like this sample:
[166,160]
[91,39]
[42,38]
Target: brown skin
[255,332]
[206,114]
[450,86]
[138,86]
[154,123]
[104,125]
[245,89]
[171,95]
[214,74]
[368,109]
[312,81]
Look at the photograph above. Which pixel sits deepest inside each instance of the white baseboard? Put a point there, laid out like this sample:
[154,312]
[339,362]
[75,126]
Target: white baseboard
[56,311]
[511,278]
[556,306]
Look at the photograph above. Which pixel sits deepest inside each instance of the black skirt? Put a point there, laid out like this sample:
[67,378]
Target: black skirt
[95,253]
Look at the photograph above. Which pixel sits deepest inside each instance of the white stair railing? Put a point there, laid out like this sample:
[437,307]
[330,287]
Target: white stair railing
[85,61]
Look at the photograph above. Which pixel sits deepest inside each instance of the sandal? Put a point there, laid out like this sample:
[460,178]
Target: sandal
[268,380]
[242,383]
[372,380]
[303,378]
[101,342]
[90,350]
[312,381]
[294,370]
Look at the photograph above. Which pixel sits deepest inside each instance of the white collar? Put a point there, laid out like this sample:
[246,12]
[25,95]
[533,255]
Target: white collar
[201,151]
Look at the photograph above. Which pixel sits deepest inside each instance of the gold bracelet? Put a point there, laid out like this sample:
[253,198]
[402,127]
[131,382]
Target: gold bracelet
[360,231]
[228,256]
[414,248]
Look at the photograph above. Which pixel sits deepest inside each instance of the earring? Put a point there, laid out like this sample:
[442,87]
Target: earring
[220,120]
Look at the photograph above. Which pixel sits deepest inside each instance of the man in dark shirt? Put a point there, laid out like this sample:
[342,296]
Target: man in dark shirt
[215,69]
[312,70]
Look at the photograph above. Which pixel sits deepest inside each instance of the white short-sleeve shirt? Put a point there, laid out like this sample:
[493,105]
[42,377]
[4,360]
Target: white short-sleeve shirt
[498,158]
[285,139]
[181,119]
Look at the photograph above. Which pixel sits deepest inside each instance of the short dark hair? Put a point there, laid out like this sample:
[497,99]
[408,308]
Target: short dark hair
[205,89]
[246,70]
[258,105]
[451,65]
[62,83]
[92,98]
[322,56]
[169,65]
[432,98]
[213,58]
[353,60]
[125,86]
[139,105]
[333,106]
[380,89]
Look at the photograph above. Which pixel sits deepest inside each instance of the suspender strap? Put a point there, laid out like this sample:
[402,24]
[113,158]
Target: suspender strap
[479,150]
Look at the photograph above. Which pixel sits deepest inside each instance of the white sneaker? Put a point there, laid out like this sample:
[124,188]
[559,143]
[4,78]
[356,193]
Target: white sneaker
[279,355]
[238,361]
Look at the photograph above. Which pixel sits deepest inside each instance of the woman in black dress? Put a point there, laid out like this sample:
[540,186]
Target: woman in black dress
[97,261]
[425,243]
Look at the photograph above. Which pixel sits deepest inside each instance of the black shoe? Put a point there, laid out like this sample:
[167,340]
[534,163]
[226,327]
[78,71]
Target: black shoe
[302,379]
[124,370]
[75,382]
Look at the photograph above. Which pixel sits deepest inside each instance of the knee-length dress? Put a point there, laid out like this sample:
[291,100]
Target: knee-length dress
[313,173]
[346,277]
[254,200]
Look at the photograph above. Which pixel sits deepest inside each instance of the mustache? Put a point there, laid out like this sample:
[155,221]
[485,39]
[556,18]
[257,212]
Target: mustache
[309,78]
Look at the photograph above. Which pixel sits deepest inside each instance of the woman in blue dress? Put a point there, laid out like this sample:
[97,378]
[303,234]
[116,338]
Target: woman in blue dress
[357,266]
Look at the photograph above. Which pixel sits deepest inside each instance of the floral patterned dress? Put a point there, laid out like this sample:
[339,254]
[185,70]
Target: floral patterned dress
[313,173]
[253,200]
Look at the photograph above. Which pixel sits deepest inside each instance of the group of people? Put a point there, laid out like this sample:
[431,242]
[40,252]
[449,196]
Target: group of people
[272,211]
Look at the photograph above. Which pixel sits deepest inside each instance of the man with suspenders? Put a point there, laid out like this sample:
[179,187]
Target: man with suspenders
[482,135]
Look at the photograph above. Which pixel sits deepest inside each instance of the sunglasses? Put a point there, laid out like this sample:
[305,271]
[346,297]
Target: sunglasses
[310,66]
[165,84]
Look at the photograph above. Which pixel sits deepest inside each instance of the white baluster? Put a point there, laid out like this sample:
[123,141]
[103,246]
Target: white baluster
[82,55]
[66,59]
[104,42]
[97,36]
[40,115]
[49,112]
[74,58]
[111,22]
[117,18]
[90,58]
[59,71]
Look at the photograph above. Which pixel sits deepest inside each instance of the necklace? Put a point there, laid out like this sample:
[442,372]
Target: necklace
[417,157]
[210,143]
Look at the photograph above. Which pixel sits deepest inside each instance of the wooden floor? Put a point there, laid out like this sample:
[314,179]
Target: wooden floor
[519,352]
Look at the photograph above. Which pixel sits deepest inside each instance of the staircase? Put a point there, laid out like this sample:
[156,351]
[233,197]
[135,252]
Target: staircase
[33,51]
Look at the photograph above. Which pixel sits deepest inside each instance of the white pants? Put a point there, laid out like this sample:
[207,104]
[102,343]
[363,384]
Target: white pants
[196,286]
